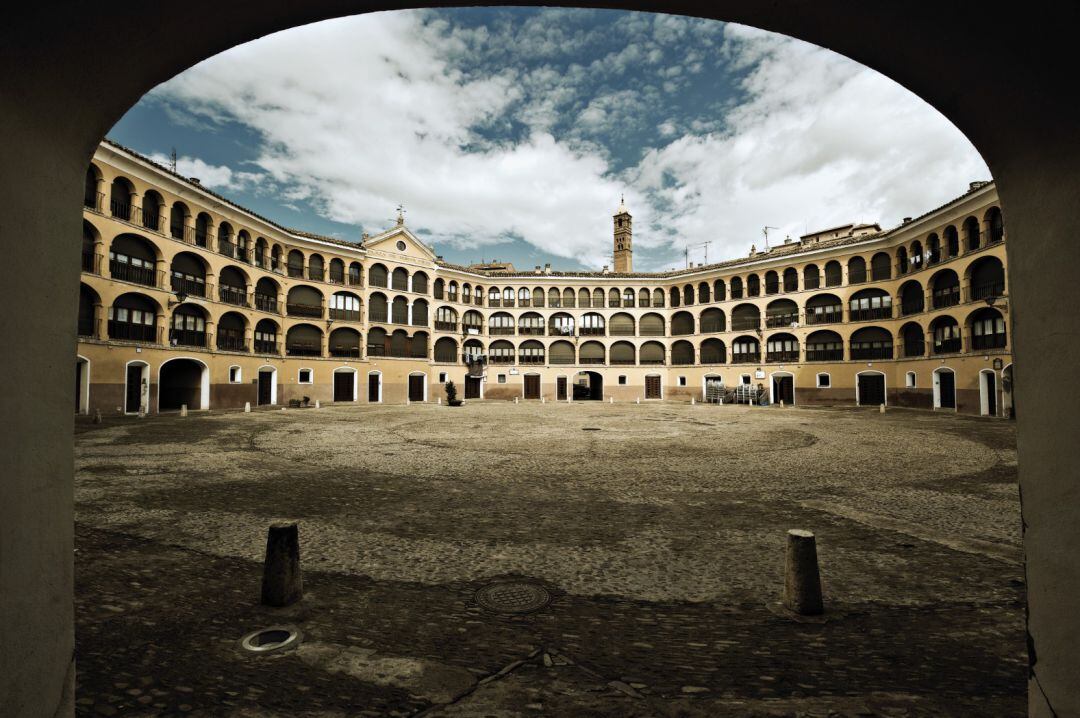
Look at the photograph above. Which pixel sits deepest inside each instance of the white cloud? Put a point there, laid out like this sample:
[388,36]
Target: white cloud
[817,141]
[359,114]
[218,177]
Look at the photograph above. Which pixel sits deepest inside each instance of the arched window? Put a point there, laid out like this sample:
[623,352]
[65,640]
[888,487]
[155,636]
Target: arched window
[531,324]
[337,271]
[713,320]
[561,352]
[531,352]
[585,298]
[652,353]
[933,249]
[753,286]
[871,343]
[494,297]
[501,352]
[345,306]
[188,326]
[946,333]
[791,280]
[500,323]
[187,275]
[870,304]
[880,267]
[682,353]
[913,340]
[713,351]
[592,353]
[537,297]
[561,325]
[345,342]
[399,310]
[508,297]
[782,348]
[856,269]
[745,316]
[446,320]
[901,260]
[652,325]
[703,293]
[232,286]
[452,291]
[377,275]
[418,345]
[688,295]
[658,298]
[622,354]
[295,263]
[420,283]
[911,298]
[628,298]
[971,234]
[824,309]
[772,282]
[593,324]
[439,289]
[133,259]
[446,350]
[719,290]
[378,341]
[120,198]
[569,298]
[266,337]
[399,280]
[824,345]
[554,297]
[378,309]
[682,324]
[266,295]
[736,288]
[781,313]
[304,301]
[995,226]
[676,297]
[945,287]
[745,350]
[811,277]
[987,278]
[133,317]
[952,241]
[524,297]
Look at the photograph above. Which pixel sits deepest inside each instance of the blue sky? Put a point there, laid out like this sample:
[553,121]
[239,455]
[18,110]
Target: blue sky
[511,133]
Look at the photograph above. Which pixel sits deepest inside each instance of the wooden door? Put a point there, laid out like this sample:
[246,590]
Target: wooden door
[343,385]
[374,387]
[133,401]
[266,387]
[560,388]
[784,390]
[472,387]
[871,389]
[991,394]
[532,386]
[416,388]
[947,389]
[652,387]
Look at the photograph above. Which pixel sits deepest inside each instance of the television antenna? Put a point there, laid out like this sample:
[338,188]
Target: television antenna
[765,231]
[172,160]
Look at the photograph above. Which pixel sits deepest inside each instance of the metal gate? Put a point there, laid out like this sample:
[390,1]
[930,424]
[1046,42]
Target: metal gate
[652,387]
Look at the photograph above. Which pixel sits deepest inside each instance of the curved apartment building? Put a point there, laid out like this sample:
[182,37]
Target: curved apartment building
[189,299]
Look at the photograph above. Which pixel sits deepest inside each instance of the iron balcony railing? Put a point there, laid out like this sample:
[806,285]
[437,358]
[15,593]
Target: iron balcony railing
[746,358]
[445,326]
[304,310]
[91,262]
[233,295]
[266,346]
[782,356]
[345,352]
[501,358]
[303,349]
[740,324]
[348,315]
[267,303]
[134,332]
[190,287]
[824,354]
[231,342]
[870,313]
[980,342]
[316,274]
[947,346]
[651,362]
[294,271]
[623,362]
[592,331]
[130,273]
[187,338]
[773,321]
[531,331]
[879,352]
[88,327]
[500,331]
[912,308]
[947,298]
[913,349]
[828,315]
[591,360]
[985,291]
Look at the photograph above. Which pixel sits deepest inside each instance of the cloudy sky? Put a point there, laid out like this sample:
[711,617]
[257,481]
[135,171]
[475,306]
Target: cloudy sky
[511,134]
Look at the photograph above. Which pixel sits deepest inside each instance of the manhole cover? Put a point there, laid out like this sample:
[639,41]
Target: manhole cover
[266,640]
[591,428]
[513,597]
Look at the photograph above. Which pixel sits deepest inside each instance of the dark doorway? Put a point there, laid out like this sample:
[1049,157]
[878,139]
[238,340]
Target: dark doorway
[652,387]
[532,386]
[416,388]
[266,387]
[588,386]
[871,389]
[133,397]
[990,387]
[560,388]
[78,387]
[783,390]
[344,385]
[947,390]
[374,388]
[472,387]
[181,384]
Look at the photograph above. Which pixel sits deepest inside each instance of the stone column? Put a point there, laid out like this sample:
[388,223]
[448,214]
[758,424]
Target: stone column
[100,330]
[324,348]
[802,582]
[282,583]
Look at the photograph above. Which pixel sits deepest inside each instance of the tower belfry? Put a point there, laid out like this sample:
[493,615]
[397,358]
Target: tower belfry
[624,251]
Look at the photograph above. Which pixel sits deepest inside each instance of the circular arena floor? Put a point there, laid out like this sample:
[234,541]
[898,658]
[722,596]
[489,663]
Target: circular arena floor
[658,530]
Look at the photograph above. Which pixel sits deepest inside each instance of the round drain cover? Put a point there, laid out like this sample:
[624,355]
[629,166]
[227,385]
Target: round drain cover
[513,597]
[268,640]
[591,428]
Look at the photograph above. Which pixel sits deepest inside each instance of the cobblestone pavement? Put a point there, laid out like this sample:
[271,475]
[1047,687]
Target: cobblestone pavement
[659,532]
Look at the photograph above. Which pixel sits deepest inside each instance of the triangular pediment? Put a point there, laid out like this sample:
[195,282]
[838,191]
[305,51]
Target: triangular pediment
[400,240]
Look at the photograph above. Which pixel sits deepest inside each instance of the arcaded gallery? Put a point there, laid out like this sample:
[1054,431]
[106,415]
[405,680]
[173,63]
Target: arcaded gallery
[188,299]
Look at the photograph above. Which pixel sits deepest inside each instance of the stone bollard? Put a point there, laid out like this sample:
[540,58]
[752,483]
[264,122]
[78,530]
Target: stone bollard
[881,409]
[317,404]
[802,582]
[438,400]
[637,399]
[781,403]
[282,583]
[183,410]
[543,400]
[515,399]
[692,402]
[611,400]
[97,416]
[247,407]
[141,414]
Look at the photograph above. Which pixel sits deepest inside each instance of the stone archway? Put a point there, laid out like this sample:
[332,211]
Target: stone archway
[68,98]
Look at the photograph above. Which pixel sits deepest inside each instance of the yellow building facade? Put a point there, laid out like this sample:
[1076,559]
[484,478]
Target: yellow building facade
[188,299]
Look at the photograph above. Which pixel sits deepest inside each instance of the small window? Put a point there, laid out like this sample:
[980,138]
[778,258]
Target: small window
[304,377]
[502,378]
[442,377]
[824,381]
[745,379]
[622,380]
[400,246]
[234,375]
[682,381]
[911,380]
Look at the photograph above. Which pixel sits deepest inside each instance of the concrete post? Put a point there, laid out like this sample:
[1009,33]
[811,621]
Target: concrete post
[317,404]
[183,410]
[247,407]
[882,409]
[282,582]
[692,402]
[97,416]
[802,582]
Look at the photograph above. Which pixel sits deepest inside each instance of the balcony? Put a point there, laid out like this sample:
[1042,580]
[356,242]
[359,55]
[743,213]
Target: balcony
[345,352]
[871,352]
[828,315]
[746,358]
[127,331]
[531,331]
[230,342]
[501,358]
[946,298]
[500,331]
[592,331]
[267,346]
[947,346]
[87,327]
[911,308]
[495,302]
[304,310]
[445,326]
[233,295]
[187,338]
[189,287]
[985,291]
[348,315]
[870,314]
[824,355]
[295,272]
[130,273]
[267,303]
[376,350]
[782,356]
[91,262]
[739,324]
[94,201]
[301,349]
[531,359]
[591,361]
[983,342]
[651,362]
[623,362]
[912,350]
[774,321]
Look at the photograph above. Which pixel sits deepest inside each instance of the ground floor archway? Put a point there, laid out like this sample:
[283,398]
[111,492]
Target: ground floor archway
[944,388]
[82,385]
[418,387]
[374,383]
[345,388]
[588,386]
[136,387]
[183,382]
[782,388]
[988,389]
[267,395]
[870,388]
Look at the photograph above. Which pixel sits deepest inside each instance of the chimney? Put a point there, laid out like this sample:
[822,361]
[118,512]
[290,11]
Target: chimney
[907,220]
[536,269]
[194,180]
[547,268]
[604,270]
[438,257]
[972,186]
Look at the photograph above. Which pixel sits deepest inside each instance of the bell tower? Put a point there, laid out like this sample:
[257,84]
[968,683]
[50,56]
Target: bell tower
[624,251]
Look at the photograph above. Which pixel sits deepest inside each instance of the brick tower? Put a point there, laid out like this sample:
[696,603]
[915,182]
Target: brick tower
[624,251]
